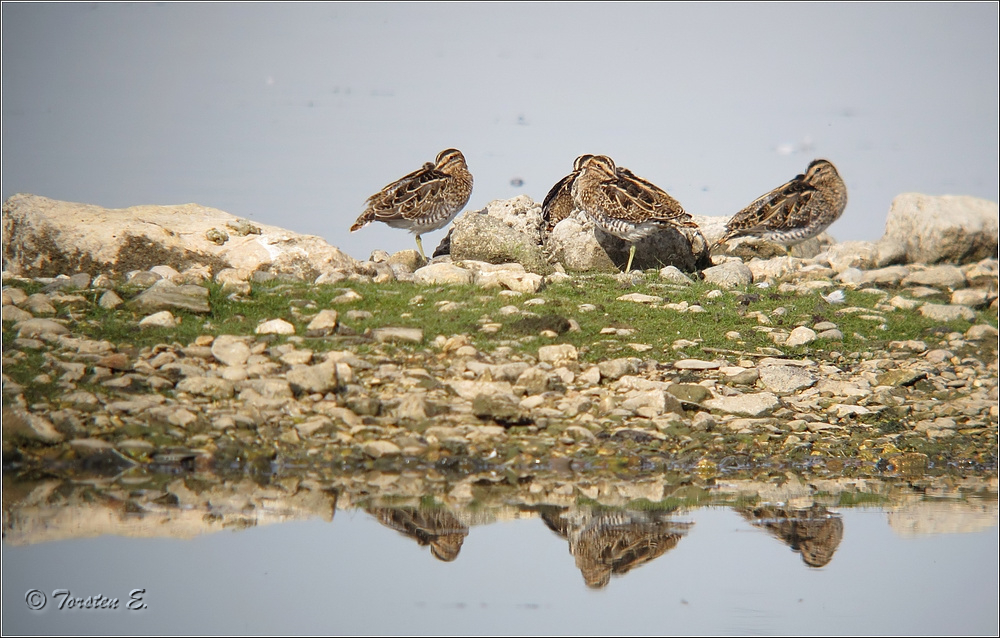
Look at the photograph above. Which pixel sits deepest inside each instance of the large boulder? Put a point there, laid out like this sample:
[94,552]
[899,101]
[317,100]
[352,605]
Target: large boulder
[44,237]
[955,229]
[505,231]
[580,246]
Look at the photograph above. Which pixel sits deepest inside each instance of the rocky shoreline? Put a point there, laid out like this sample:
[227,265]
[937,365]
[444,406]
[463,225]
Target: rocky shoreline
[338,388]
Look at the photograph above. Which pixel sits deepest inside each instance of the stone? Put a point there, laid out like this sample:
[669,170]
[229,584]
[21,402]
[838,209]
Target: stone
[943,276]
[947,312]
[558,354]
[40,328]
[637,297]
[751,405]
[168,296]
[697,364]
[504,408]
[732,274]
[469,390]
[851,254]
[275,327]
[15,314]
[981,332]
[615,369]
[509,279]
[412,407]
[398,335]
[230,350]
[505,231]
[684,248]
[689,392]
[673,275]
[317,379]
[573,244]
[44,237]
[39,304]
[900,377]
[14,296]
[110,300]
[142,278]
[774,268]
[211,387]
[405,261]
[534,380]
[442,273]
[378,449]
[324,323]
[889,276]
[21,424]
[800,336]
[785,379]
[972,297]
[951,229]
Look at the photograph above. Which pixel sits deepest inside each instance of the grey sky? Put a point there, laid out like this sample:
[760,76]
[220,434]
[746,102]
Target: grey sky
[293,114]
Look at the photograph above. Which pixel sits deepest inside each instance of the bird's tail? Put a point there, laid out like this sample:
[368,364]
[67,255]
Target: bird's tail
[366,218]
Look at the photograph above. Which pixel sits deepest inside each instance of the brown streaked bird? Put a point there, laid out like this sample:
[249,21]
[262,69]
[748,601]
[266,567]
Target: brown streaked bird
[558,204]
[423,201]
[613,542]
[624,205]
[795,211]
[435,527]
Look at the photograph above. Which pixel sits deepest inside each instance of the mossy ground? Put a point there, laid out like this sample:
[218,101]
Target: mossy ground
[449,310]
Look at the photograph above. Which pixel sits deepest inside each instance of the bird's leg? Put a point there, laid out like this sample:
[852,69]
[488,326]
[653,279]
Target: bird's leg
[631,254]
[420,247]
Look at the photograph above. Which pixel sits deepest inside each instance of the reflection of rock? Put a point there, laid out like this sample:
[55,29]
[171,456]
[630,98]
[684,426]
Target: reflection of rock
[613,542]
[52,510]
[814,532]
[435,527]
[935,517]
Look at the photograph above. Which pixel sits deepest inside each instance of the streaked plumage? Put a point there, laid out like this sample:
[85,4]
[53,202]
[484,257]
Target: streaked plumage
[613,542]
[423,201]
[795,211]
[814,532]
[558,204]
[435,527]
[624,205]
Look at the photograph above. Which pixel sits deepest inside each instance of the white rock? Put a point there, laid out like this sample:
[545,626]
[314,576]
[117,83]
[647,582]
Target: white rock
[275,327]
[947,312]
[952,229]
[752,405]
[731,274]
[800,336]
[162,319]
[230,350]
[101,235]
[558,354]
[442,273]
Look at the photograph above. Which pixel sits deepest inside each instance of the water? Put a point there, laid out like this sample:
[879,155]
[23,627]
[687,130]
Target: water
[879,557]
[294,114]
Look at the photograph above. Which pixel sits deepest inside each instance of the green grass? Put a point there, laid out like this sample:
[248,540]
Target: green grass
[417,306]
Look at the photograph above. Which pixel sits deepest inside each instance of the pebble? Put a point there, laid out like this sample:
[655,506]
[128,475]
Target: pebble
[275,327]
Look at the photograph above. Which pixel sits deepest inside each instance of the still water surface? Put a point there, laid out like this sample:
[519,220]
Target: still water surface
[915,563]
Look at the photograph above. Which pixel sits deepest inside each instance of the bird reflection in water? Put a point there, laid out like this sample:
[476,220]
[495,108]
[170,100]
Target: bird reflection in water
[606,543]
[435,527]
[814,532]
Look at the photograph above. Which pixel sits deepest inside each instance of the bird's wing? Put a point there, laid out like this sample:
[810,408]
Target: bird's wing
[778,209]
[558,203]
[644,198]
[402,199]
